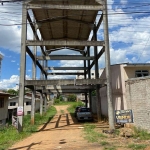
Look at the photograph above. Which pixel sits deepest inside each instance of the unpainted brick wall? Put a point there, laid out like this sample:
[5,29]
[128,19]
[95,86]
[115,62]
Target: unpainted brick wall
[138,99]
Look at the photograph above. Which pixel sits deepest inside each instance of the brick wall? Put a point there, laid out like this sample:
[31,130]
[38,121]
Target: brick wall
[138,99]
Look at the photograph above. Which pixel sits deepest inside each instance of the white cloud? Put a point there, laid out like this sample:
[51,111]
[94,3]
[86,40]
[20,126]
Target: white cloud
[12,82]
[13,61]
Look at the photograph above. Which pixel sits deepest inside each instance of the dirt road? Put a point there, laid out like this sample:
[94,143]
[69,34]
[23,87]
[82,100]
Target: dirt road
[63,132]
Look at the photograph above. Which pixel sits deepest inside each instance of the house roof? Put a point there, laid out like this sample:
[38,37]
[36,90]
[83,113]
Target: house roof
[137,65]
[5,94]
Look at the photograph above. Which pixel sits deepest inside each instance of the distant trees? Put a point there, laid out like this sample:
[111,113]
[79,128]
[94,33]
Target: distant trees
[13,92]
[72,97]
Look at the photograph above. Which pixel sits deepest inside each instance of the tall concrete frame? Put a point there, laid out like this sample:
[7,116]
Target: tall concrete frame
[57,33]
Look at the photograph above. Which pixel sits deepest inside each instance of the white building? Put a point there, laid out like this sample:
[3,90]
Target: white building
[13,104]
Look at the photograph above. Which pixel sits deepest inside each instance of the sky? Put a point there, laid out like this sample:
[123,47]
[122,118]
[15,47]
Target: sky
[129,38]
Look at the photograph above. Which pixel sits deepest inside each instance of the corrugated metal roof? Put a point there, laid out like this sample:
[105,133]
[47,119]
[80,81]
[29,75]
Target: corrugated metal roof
[65,24]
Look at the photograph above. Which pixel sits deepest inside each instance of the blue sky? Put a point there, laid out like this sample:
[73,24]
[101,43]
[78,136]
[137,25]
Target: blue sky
[129,33]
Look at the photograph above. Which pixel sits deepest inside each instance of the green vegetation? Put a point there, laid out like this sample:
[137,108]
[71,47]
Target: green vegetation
[91,135]
[72,97]
[137,146]
[103,143]
[62,111]
[142,134]
[110,148]
[64,103]
[73,105]
[94,93]
[56,101]
[9,135]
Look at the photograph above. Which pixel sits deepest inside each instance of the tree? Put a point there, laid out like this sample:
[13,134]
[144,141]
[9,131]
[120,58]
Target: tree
[72,97]
[13,92]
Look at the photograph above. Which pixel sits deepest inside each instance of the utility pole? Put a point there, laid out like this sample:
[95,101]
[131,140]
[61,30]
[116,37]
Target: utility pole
[108,72]
[22,66]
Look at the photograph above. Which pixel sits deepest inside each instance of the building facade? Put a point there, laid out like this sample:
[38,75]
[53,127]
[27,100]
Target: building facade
[13,104]
[3,107]
[120,74]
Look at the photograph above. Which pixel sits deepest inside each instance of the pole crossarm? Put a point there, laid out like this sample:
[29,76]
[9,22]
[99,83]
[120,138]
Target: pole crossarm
[65,73]
[65,68]
[67,7]
[34,31]
[64,43]
[67,87]
[37,62]
[64,57]
[65,82]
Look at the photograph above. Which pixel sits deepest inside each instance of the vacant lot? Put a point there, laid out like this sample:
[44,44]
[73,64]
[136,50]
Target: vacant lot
[64,132]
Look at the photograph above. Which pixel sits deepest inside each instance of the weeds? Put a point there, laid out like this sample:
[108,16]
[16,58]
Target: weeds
[73,105]
[9,135]
[142,134]
[137,146]
[91,135]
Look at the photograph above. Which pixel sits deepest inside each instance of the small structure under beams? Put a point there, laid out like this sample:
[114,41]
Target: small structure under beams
[66,23]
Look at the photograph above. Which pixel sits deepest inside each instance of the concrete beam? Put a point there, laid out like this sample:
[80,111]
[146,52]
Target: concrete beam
[34,31]
[68,7]
[33,58]
[64,68]
[64,57]
[65,73]
[64,91]
[68,87]
[66,19]
[98,56]
[64,43]
[65,82]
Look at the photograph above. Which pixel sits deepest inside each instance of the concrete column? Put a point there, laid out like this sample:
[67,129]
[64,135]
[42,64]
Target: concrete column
[22,64]
[98,101]
[34,78]
[89,77]
[33,106]
[85,78]
[108,72]
[41,104]
[45,103]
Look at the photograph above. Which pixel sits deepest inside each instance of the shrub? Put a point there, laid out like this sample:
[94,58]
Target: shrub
[56,101]
[72,98]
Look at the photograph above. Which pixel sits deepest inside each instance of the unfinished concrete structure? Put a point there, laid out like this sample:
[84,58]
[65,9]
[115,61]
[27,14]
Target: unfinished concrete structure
[65,24]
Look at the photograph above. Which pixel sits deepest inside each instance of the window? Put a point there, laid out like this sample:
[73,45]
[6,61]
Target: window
[28,103]
[141,73]
[12,103]
[1,102]
[92,74]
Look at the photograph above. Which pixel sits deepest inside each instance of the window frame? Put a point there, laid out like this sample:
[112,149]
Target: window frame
[140,73]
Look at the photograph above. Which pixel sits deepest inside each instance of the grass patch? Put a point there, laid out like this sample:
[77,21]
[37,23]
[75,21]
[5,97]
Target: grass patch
[91,135]
[62,111]
[64,103]
[110,148]
[142,134]
[103,143]
[9,135]
[73,105]
[137,146]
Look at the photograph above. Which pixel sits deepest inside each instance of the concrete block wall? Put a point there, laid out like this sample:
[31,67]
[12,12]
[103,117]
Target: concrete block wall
[138,99]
